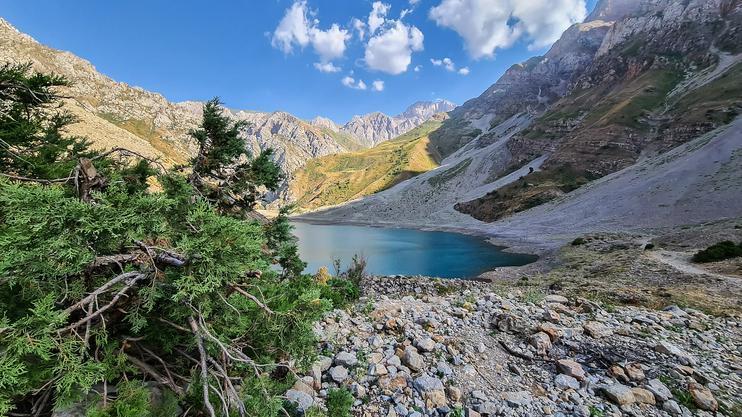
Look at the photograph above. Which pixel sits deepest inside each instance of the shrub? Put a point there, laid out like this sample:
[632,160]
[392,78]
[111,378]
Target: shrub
[339,402]
[718,252]
[579,241]
[105,283]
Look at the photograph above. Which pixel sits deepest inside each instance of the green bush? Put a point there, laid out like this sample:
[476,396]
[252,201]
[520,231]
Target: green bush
[106,283]
[579,241]
[339,402]
[718,252]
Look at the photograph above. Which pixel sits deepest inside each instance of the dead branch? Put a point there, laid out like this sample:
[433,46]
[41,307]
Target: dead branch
[147,369]
[130,283]
[253,298]
[129,152]
[102,289]
[203,365]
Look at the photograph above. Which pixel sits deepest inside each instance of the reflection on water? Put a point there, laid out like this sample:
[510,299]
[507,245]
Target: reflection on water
[401,251]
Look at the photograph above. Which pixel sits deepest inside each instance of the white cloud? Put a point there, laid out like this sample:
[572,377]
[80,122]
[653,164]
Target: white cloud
[446,63]
[327,67]
[486,25]
[377,85]
[418,68]
[413,3]
[404,13]
[464,71]
[295,29]
[329,44]
[377,17]
[351,83]
[360,27]
[391,49]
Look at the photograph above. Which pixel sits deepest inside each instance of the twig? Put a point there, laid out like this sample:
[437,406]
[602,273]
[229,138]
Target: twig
[253,298]
[101,290]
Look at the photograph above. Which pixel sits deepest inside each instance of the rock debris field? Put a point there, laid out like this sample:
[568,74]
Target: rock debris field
[416,347]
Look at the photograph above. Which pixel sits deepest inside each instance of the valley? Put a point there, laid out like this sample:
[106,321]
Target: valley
[566,243]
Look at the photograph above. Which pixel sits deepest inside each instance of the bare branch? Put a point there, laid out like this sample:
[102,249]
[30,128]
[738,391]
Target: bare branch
[253,298]
[105,287]
[204,366]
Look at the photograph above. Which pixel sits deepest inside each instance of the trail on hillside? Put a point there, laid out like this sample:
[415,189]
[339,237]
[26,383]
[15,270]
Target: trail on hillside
[682,262]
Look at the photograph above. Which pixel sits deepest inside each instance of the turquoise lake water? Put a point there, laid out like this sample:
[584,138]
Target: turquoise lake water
[402,251]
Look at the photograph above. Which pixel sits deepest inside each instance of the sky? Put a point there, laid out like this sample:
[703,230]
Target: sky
[331,58]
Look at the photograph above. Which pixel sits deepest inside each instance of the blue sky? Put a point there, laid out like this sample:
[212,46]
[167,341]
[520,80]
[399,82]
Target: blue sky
[241,52]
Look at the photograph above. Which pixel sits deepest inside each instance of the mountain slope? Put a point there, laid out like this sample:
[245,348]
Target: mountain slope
[335,179]
[116,114]
[607,95]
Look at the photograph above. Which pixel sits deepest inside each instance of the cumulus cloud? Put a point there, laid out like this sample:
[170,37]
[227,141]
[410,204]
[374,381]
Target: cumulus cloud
[352,83]
[391,49]
[377,17]
[327,67]
[377,85]
[293,28]
[464,71]
[296,30]
[329,44]
[486,25]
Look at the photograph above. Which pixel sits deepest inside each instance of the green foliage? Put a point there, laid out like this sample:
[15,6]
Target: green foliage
[131,282]
[579,241]
[31,124]
[718,252]
[339,402]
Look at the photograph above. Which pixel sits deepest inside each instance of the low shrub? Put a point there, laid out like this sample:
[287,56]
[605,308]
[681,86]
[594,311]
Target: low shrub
[579,241]
[339,402]
[718,252]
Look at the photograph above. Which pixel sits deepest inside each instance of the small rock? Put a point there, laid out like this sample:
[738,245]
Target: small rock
[412,359]
[672,407]
[425,344]
[597,329]
[431,390]
[660,391]
[454,393]
[346,359]
[671,350]
[302,400]
[555,298]
[643,396]
[541,341]
[565,381]
[338,373]
[552,316]
[634,371]
[518,399]
[619,394]
[703,397]
[571,368]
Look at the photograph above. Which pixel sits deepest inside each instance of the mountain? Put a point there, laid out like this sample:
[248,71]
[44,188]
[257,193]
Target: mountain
[637,80]
[374,128]
[338,178]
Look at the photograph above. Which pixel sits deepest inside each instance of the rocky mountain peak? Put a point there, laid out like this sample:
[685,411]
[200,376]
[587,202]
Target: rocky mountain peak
[324,122]
[426,109]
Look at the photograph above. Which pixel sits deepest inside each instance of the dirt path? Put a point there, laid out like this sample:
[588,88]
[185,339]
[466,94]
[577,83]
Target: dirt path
[681,262]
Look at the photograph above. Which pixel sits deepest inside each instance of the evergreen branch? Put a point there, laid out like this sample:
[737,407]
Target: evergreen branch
[100,290]
[253,298]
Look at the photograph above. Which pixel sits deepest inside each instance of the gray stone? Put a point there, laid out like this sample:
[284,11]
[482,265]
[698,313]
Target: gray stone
[347,359]
[302,400]
[565,381]
[555,298]
[338,373]
[671,350]
[412,359]
[660,391]
[518,398]
[672,407]
[425,344]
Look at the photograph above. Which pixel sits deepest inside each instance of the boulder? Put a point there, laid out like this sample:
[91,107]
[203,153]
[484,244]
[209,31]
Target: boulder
[338,373]
[618,393]
[412,359]
[571,368]
[541,341]
[659,390]
[703,397]
[596,329]
[431,390]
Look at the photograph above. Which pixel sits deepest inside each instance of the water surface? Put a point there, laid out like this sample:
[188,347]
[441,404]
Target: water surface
[402,251]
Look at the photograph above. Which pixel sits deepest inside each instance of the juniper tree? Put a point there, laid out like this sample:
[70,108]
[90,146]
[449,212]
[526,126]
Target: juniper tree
[121,286]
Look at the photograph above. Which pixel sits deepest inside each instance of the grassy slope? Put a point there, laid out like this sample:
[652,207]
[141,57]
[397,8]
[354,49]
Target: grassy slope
[335,179]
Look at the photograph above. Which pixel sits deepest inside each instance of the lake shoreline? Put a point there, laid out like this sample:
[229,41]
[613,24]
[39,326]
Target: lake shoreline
[543,252]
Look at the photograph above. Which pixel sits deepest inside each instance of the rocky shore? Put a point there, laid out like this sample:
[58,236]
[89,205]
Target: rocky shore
[415,346]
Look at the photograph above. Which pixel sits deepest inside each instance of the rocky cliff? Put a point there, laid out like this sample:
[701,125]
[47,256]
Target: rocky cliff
[608,94]
[374,128]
